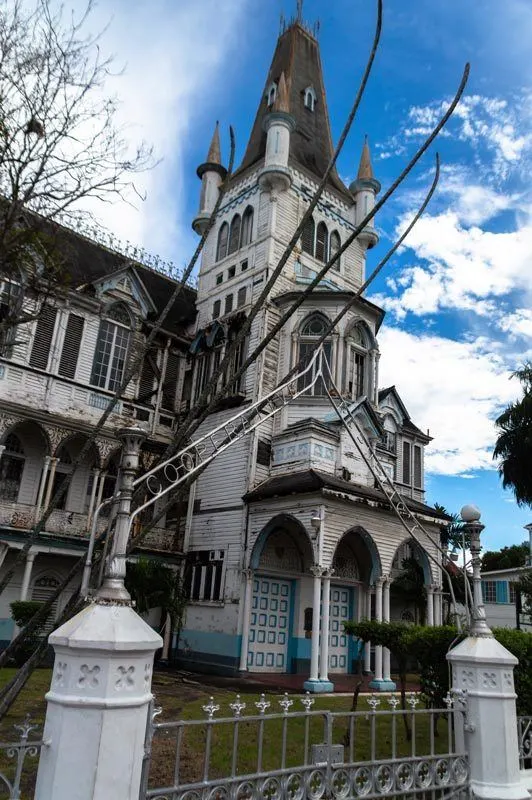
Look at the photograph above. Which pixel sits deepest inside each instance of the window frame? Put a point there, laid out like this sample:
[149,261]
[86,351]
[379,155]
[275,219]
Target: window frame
[306,347]
[117,353]
[490,585]
[222,243]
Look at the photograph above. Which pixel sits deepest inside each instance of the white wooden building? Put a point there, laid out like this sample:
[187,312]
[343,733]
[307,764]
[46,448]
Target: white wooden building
[253,555]
[258,572]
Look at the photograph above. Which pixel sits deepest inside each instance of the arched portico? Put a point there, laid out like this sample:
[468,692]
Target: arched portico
[24,450]
[415,595]
[280,559]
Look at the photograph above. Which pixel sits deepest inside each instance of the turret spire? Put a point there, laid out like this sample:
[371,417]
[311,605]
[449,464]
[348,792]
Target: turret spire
[214,155]
[282,101]
[365,170]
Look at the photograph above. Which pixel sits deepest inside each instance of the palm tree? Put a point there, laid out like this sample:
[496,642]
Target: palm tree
[514,442]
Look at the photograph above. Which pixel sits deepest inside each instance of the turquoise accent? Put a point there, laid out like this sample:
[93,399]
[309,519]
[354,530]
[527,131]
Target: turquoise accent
[502,591]
[318,687]
[7,626]
[290,650]
[382,686]
[301,648]
[214,643]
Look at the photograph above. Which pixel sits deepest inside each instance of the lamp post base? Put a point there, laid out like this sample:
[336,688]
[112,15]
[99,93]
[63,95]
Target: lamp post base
[318,687]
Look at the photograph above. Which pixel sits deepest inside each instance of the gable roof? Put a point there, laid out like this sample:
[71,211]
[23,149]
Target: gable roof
[297,55]
[408,425]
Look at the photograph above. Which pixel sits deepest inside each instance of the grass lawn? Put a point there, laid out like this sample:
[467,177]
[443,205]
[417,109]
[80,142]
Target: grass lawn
[181,699]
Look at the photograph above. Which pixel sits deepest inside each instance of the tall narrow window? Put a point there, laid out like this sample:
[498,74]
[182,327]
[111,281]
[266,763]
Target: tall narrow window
[216,307]
[11,301]
[223,236]
[111,349]
[334,245]
[311,331]
[247,227]
[322,242]
[237,386]
[228,303]
[71,346]
[11,468]
[357,355]
[42,340]
[406,463]
[241,297]
[147,383]
[234,234]
[307,237]
[417,467]
[310,98]
[171,376]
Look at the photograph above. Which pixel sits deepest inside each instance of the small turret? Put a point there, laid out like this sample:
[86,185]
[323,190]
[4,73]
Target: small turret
[279,125]
[212,173]
[365,189]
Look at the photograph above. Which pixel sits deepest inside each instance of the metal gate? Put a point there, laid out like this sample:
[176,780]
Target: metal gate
[297,752]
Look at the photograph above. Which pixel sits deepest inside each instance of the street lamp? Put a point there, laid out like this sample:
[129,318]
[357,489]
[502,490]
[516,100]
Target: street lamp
[470,515]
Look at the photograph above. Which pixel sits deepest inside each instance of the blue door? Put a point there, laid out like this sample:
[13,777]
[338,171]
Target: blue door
[269,625]
[340,612]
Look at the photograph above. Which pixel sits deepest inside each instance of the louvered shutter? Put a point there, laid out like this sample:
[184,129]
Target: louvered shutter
[406,462]
[147,379]
[170,381]
[42,341]
[71,346]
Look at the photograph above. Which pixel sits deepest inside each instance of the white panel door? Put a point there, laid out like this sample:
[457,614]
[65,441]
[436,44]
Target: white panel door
[340,611]
[269,625]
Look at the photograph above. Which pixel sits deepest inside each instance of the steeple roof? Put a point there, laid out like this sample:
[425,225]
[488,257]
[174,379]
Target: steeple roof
[297,56]
[214,156]
[365,170]
[282,101]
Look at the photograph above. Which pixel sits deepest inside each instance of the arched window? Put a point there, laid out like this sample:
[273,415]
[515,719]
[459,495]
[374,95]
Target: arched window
[223,235]
[311,332]
[310,98]
[111,348]
[358,379]
[334,245]
[322,242]
[247,227]
[11,468]
[307,237]
[271,94]
[234,234]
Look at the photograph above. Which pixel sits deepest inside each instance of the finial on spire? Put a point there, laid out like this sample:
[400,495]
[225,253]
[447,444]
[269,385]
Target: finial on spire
[214,155]
[282,100]
[299,11]
[365,170]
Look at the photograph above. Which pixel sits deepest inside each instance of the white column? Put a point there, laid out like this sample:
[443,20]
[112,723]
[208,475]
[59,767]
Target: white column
[386,617]
[324,655]
[101,684]
[378,617]
[430,605]
[95,477]
[313,680]
[38,505]
[438,617]
[367,646]
[248,578]
[51,476]
[26,578]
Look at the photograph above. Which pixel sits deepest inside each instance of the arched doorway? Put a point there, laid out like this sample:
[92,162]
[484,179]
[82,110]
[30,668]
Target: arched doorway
[280,557]
[410,575]
[78,495]
[21,465]
[355,565]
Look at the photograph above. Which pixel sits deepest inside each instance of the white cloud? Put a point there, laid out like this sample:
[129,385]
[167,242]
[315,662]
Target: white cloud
[518,323]
[455,389]
[175,57]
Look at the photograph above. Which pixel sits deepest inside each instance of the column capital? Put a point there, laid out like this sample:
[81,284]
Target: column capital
[328,572]
[316,570]
[380,581]
[247,574]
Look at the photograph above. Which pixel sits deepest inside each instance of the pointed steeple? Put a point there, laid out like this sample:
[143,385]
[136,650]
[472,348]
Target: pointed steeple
[282,101]
[297,56]
[214,156]
[365,170]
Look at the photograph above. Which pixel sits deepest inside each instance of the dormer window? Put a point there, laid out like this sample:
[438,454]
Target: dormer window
[310,98]
[111,348]
[271,94]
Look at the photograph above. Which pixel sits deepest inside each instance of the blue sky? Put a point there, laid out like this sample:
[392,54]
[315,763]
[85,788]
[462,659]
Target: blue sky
[459,317]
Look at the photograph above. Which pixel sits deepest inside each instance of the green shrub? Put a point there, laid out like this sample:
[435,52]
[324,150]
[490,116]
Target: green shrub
[519,644]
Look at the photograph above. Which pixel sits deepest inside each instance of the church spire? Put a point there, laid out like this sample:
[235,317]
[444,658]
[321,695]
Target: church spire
[214,156]
[365,189]
[365,170]
[282,101]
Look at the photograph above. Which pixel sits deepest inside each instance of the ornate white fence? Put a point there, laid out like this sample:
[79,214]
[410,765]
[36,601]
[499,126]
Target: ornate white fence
[17,752]
[297,753]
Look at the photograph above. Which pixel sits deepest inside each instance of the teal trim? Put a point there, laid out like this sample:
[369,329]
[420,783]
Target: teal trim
[301,648]
[383,686]
[355,645]
[7,627]
[502,591]
[318,687]
[291,649]
[222,644]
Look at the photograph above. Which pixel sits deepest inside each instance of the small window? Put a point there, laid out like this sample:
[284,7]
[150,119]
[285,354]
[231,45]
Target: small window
[223,237]
[204,574]
[228,303]
[111,349]
[310,98]
[307,237]
[334,246]
[264,453]
[417,467]
[406,462]
[171,377]
[489,591]
[241,298]
[231,272]
[512,590]
[244,265]
[271,94]
[247,227]
[216,309]
[234,234]
[322,242]
[219,278]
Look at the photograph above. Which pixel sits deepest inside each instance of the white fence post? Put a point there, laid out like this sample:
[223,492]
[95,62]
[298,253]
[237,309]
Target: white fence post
[482,675]
[101,683]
